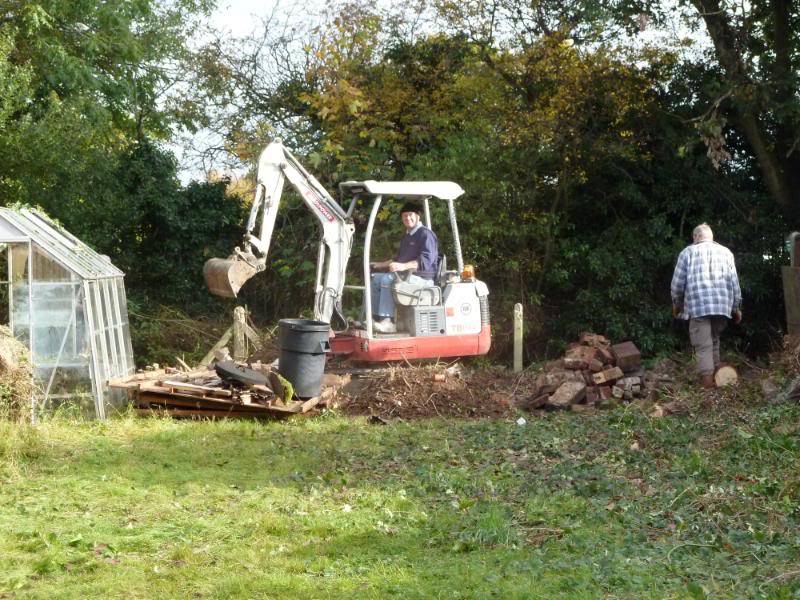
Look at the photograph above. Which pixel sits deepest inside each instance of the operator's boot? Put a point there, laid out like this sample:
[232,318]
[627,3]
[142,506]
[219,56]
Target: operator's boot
[707,381]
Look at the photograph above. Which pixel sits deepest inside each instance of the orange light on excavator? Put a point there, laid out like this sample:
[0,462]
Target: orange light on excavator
[468,273]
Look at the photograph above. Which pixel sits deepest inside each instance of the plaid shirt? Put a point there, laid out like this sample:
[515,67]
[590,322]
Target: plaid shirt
[705,281]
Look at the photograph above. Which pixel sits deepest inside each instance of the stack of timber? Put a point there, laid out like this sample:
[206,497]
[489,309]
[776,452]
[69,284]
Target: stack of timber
[202,393]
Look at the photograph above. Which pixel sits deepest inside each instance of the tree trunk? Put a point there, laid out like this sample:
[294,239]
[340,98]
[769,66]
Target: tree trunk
[747,112]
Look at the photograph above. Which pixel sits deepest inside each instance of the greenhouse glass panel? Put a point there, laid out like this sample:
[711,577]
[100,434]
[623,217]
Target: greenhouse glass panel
[19,292]
[66,302]
[111,328]
[126,328]
[101,347]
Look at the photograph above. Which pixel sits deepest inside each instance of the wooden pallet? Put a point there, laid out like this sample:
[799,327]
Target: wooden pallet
[181,399]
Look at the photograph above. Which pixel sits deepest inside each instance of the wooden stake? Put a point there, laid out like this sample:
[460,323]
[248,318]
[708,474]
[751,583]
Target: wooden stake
[517,338]
[239,336]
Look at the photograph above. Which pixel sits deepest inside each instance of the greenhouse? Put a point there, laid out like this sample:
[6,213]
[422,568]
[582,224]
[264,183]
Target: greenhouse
[67,304]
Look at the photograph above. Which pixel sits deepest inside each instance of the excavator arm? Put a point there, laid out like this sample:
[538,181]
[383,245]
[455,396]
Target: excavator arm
[224,277]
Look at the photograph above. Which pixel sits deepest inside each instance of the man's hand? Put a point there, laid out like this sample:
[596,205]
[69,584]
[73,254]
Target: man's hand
[395,266]
[677,309]
[737,316]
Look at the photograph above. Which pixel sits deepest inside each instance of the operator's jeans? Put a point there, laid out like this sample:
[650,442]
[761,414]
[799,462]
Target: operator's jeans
[704,334]
[381,292]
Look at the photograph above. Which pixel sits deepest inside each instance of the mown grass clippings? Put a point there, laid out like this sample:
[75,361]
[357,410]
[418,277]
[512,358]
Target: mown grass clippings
[701,505]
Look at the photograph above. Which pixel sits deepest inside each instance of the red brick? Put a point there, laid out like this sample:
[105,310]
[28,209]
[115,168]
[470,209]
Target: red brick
[628,356]
[608,376]
[574,364]
[607,356]
[570,392]
[584,353]
[593,339]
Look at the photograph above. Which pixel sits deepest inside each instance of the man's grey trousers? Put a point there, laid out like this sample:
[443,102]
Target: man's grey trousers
[704,334]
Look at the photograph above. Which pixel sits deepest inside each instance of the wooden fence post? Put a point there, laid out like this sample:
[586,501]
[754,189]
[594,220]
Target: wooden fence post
[239,340]
[517,338]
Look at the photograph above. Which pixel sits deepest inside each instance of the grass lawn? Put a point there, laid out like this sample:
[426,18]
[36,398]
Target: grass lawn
[576,506]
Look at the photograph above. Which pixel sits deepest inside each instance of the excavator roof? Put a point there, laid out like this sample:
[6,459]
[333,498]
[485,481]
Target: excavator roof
[446,190]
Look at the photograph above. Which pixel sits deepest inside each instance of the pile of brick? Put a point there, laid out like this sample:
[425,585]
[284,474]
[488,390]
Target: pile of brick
[594,373]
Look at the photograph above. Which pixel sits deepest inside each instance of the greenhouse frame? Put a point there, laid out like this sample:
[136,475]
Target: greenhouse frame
[67,304]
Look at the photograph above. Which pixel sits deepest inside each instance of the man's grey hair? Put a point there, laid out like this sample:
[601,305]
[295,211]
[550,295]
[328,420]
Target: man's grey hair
[702,232]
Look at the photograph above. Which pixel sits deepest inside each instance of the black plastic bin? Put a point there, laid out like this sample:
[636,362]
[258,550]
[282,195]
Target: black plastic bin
[304,344]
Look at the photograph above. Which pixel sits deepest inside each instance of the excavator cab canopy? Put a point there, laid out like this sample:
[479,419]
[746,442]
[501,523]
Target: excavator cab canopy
[445,190]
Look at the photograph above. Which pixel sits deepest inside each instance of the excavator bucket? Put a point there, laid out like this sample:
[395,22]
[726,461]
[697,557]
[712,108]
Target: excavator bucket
[225,276]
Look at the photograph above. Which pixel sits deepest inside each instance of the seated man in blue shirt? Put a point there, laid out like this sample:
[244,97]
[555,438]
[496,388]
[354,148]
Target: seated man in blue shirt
[418,252]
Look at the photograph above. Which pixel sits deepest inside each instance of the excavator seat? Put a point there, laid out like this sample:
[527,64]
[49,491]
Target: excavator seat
[410,294]
[413,294]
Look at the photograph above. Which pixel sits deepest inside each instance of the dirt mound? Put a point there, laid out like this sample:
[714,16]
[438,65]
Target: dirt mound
[16,376]
[418,392]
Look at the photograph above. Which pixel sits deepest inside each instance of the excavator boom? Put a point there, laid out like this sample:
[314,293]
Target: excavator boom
[225,276]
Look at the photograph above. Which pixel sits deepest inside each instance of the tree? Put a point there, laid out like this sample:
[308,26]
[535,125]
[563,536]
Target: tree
[759,55]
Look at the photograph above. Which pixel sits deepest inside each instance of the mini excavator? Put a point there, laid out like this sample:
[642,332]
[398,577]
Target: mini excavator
[447,319]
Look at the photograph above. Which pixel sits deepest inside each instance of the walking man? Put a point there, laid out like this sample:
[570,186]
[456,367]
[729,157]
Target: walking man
[705,290]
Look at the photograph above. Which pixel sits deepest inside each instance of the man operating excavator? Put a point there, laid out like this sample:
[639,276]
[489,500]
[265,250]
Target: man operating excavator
[418,253]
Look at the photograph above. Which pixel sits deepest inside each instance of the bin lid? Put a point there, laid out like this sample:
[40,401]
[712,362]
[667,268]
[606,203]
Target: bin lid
[304,325]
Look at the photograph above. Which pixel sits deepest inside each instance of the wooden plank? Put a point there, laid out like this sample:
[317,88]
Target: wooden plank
[133,381]
[323,398]
[160,397]
[206,360]
[310,403]
[146,401]
[191,387]
[252,336]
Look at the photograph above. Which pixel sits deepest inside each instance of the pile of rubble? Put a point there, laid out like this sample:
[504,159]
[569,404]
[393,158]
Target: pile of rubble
[594,373]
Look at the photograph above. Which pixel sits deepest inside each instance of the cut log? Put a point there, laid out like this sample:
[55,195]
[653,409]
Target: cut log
[725,375]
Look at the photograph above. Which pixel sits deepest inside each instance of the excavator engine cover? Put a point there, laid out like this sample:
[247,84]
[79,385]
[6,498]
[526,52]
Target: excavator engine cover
[225,276]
